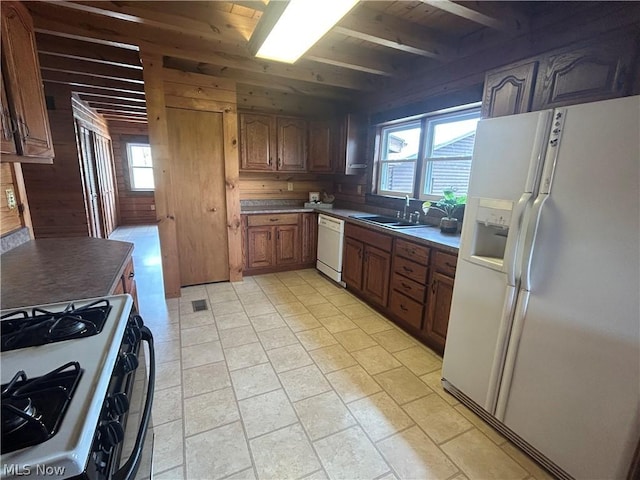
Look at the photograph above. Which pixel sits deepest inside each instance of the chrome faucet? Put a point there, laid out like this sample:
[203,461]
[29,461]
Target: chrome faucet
[407,204]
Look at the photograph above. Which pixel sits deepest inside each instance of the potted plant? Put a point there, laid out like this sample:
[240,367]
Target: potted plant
[449,205]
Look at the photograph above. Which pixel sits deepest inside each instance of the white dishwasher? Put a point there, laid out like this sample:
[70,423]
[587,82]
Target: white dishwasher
[330,240]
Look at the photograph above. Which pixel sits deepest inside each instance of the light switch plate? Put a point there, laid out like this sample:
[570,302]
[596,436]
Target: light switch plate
[11,198]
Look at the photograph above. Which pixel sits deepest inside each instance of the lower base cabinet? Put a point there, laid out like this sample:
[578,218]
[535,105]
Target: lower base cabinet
[127,284]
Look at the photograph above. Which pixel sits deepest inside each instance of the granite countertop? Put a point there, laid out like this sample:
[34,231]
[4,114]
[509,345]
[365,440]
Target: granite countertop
[53,270]
[426,235]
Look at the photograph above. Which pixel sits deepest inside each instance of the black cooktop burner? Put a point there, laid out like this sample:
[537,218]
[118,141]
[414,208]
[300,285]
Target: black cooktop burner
[32,409]
[21,330]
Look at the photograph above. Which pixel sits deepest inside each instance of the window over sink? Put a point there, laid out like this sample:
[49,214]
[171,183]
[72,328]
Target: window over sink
[422,156]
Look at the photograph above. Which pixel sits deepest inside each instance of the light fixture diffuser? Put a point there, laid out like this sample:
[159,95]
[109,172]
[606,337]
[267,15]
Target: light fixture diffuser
[300,26]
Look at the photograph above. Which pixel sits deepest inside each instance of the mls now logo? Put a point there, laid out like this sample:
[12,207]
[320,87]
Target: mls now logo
[25,470]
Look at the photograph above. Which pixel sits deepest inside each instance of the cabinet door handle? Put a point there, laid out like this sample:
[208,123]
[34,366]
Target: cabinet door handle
[450,265]
[279,163]
[407,269]
[269,236]
[278,235]
[405,286]
[433,286]
[360,254]
[25,129]
[273,219]
[131,274]
[270,161]
[403,308]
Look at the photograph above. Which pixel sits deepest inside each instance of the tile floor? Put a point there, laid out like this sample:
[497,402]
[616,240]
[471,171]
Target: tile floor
[288,376]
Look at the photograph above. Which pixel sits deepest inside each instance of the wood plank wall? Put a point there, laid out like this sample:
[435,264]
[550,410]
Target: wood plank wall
[136,208]
[10,220]
[274,186]
[55,191]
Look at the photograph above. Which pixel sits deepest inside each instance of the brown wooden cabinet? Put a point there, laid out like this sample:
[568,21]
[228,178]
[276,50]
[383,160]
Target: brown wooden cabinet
[8,146]
[309,237]
[375,275]
[436,320]
[292,144]
[352,263]
[127,284]
[24,102]
[259,247]
[509,90]
[351,145]
[288,244]
[258,142]
[322,135]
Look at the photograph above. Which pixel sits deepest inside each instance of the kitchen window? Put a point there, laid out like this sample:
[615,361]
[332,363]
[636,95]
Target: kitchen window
[140,166]
[423,157]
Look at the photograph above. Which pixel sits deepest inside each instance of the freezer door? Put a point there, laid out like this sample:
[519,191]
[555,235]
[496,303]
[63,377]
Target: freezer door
[571,383]
[505,171]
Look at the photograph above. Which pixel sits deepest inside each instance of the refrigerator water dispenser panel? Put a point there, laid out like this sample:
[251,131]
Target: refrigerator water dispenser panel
[491,230]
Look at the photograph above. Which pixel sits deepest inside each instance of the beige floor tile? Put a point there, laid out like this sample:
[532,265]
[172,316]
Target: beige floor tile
[255,309]
[337,323]
[394,340]
[379,416]
[323,415]
[245,356]
[300,323]
[332,358]
[481,425]
[302,290]
[438,419]
[232,320]
[293,281]
[168,374]
[277,337]
[215,288]
[373,323]
[176,473]
[267,321]
[197,319]
[434,380]
[194,336]
[418,360]
[167,351]
[376,360]
[201,354]
[274,288]
[234,337]
[329,289]
[303,382]
[265,413]
[353,383]
[413,455]
[325,310]
[402,385]
[353,340]
[289,357]
[209,410]
[167,405]
[253,298]
[319,475]
[227,307]
[341,299]
[282,297]
[167,445]
[316,338]
[247,474]
[254,380]
[222,296]
[205,378]
[350,454]
[285,453]
[479,458]
[166,333]
[267,279]
[217,453]
[192,293]
[312,300]
[526,462]
[244,288]
[293,308]
[356,310]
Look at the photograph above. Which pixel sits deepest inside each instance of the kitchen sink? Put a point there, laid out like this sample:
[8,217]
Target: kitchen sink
[388,221]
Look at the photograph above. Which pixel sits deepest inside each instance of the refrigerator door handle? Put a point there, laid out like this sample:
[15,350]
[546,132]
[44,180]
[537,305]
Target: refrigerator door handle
[530,240]
[514,240]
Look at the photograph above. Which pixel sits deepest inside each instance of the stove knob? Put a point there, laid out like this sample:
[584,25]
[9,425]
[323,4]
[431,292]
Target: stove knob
[111,434]
[133,335]
[128,362]
[117,404]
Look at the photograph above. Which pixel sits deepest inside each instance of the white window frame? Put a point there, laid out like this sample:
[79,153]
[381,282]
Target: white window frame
[428,132]
[383,148]
[131,167]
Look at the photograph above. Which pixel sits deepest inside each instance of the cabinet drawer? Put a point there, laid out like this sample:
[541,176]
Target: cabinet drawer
[410,269]
[128,277]
[446,263]
[408,287]
[380,240]
[275,219]
[407,309]
[412,251]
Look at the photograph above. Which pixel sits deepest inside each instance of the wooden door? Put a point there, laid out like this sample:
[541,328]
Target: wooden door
[259,247]
[375,276]
[309,237]
[106,183]
[439,307]
[320,146]
[24,81]
[352,263]
[198,181]
[508,91]
[257,142]
[8,140]
[89,181]
[292,144]
[287,244]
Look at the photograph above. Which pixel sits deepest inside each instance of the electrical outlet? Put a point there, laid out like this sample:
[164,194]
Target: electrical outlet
[290,186]
[359,189]
[11,198]
[152,207]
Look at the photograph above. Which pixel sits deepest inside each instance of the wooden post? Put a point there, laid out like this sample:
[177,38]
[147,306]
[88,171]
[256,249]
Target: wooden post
[164,195]
[232,185]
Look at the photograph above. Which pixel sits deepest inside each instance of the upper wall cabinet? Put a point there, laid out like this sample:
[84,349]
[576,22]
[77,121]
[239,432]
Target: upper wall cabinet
[321,140]
[292,144]
[582,73]
[352,151]
[24,113]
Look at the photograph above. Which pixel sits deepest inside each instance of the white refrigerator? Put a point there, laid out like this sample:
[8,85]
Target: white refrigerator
[544,331]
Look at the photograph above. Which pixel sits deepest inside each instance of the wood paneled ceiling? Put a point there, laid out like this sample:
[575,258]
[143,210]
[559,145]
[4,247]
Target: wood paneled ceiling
[94,46]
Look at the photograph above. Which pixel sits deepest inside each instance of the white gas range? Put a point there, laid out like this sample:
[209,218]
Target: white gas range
[67,379]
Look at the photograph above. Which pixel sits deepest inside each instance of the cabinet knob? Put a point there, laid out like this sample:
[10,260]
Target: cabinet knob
[213,209]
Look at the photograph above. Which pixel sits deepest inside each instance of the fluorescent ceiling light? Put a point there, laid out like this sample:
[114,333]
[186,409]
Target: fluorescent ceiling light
[301,25]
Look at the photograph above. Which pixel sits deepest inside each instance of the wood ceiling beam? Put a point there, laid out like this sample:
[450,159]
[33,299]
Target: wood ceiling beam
[258,5]
[100,70]
[114,105]
[115,111]
[504,19]
[360,59]
[90,52]
[90,94]
[381,29]
[77,80]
